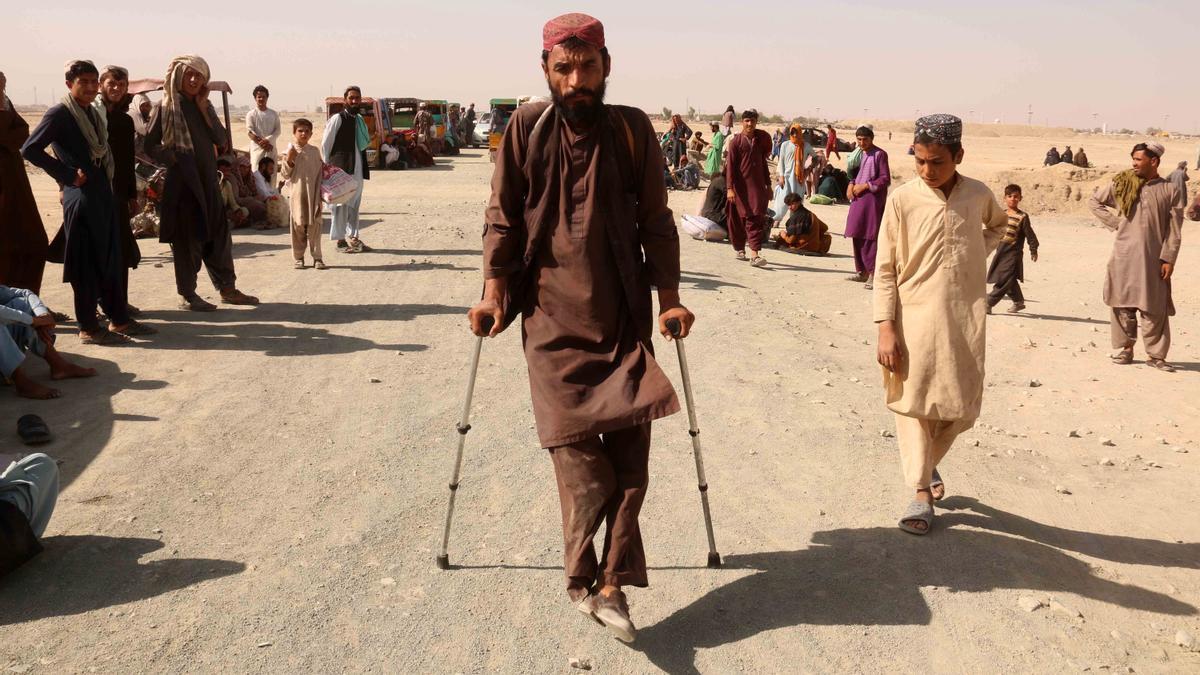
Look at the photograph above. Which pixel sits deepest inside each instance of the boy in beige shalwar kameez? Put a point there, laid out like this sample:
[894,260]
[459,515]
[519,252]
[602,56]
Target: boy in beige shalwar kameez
[930,287]
[301,170]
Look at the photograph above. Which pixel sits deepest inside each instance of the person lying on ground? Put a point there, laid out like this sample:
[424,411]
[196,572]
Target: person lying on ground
[28,493]
[27,329]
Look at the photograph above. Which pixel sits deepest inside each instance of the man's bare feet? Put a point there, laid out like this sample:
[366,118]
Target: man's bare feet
[27,388]
[68,370]
[938,491]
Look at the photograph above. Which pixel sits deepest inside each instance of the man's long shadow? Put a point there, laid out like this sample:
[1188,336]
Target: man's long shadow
[269,338]
[874,576]
[77,574]
[312,313]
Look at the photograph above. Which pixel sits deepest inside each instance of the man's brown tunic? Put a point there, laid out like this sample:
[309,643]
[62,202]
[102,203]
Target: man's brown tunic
[23,239]
[580,225]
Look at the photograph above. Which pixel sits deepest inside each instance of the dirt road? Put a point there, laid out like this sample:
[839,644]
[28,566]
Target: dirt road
[261,489]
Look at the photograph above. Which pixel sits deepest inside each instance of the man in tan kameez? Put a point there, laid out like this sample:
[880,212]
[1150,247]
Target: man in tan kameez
[930,287]
[577,231]
[1148,219]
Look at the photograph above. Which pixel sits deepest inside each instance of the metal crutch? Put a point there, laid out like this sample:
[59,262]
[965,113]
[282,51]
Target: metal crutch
[463,426]
[673,327]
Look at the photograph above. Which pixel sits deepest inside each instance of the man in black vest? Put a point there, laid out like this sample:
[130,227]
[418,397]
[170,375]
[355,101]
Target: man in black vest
[344,146]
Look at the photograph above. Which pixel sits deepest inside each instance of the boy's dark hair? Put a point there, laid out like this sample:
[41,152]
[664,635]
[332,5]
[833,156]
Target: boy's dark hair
[301,122]
[865,131]
[114,72]
[77,68]
[1012,189]
[574,44]
[353,87]
[925,139]
[1144,148]
[792,198]
[264,160]
[262,89]
[750,114]
[223,161]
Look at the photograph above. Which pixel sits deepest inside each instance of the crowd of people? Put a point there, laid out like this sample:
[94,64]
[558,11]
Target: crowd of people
[1067,156]
[568,250]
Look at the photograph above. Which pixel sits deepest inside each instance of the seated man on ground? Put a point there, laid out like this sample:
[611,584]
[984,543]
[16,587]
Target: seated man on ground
[829,185]
[28,492]
[27,326]
[688,174]
[247,194]
[277,210]
[237,214]
[803,232]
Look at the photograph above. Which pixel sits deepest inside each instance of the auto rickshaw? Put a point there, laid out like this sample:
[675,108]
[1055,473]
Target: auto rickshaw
[501,110]
[373,114]
[438,108]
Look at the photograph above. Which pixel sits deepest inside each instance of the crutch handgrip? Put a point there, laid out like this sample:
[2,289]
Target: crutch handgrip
[486,324]
[674,327]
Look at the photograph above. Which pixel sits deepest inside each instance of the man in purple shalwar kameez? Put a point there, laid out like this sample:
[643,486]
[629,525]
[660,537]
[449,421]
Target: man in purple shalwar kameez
[867,195]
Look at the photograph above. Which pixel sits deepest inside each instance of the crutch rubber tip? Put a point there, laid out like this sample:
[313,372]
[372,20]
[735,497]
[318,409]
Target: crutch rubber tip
[443,562]
[714,559]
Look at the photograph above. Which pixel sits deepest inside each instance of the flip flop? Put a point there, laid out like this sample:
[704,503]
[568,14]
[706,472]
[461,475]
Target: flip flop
[1159,364]
[917,510]
[937,480]
[33,430]
[135,328]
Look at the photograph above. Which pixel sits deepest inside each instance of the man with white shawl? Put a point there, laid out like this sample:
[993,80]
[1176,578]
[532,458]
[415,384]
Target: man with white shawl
[344,145]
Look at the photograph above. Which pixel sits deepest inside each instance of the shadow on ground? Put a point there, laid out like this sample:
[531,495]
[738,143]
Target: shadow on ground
[874,576]
[82,420]
[77,574]
[312,313]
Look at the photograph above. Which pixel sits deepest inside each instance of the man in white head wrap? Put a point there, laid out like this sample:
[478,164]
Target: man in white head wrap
[185,136]
[1147,215]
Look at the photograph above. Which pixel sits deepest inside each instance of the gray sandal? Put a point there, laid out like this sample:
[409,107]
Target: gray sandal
[917,510]
[937,480]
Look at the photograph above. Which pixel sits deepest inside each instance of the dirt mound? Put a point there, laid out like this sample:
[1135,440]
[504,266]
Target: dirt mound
[1061,188]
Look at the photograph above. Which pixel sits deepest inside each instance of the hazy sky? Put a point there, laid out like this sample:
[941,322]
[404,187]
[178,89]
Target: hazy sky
[1130,63]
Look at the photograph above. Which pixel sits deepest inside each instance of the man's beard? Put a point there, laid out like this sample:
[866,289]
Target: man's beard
[583,113]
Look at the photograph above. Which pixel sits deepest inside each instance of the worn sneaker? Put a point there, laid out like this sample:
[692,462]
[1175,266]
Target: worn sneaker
[758,261]
[1016,307]
[613,612]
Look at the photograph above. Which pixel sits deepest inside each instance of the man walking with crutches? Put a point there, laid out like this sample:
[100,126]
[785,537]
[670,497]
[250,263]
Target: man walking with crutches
[577,232]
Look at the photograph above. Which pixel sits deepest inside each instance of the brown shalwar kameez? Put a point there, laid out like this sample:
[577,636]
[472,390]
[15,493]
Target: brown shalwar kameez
[1149,237]
[569,221]
[24,242]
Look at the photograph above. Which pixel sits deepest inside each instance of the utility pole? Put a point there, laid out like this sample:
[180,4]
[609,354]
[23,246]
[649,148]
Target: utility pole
[1029,115]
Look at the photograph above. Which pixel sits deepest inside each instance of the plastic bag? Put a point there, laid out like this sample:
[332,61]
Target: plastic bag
[337,186]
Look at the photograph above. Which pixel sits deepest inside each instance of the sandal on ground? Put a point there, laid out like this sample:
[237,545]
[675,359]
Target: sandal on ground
[104,337]
[937,480]
[1016,307]
[1159,364]
[320,265]
[235,297]
[758,261]
[870,284]
[33,430]
[740,255]
[860,278]
[299,264]
[132,311]
[358,245]
[197,304]
[919,511]
[1123,357]
[135,328]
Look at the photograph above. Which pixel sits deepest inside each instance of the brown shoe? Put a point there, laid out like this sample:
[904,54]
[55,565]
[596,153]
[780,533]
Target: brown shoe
[197,304]
[235,297]
[613,612]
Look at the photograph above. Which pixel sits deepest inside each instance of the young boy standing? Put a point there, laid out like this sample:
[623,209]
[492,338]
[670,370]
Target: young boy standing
[1008,267]
[301,172]
[929,303]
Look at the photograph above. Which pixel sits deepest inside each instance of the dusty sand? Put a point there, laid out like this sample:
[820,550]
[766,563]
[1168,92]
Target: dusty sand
[240,495]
